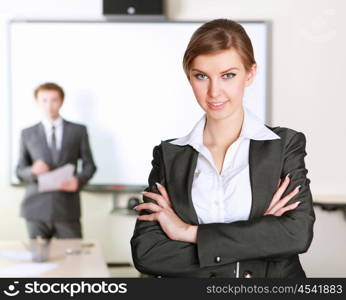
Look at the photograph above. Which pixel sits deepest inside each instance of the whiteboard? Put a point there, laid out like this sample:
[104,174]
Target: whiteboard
[123,80]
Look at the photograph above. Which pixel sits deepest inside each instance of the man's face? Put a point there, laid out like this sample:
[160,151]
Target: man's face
[49,102]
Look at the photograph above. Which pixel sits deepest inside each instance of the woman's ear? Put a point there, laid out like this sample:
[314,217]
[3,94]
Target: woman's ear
[251,75]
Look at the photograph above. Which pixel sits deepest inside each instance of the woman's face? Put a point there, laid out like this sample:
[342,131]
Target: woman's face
[218,81]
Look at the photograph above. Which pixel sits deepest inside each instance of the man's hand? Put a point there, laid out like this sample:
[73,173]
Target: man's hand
[70,185]
[39,167]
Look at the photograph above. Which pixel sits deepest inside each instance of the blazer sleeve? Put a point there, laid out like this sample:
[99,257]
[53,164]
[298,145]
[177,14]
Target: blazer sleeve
[266,236]
[23,170]
[88,165]
[152,251]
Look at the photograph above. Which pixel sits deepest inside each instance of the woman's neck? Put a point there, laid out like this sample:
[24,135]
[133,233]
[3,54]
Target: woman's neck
[222,133]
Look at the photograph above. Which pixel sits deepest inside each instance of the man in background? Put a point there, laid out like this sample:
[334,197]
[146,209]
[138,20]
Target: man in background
[48,145]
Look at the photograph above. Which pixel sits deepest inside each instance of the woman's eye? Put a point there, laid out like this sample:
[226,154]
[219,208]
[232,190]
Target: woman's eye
[200,76]
[228,75]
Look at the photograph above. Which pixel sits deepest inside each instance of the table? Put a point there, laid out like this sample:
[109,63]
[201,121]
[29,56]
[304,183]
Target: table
[67,258]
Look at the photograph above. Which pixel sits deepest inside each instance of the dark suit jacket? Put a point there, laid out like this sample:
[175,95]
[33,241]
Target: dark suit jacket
[265,246]
[57,205]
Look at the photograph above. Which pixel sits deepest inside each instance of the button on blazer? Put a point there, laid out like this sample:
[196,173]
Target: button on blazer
[264,246]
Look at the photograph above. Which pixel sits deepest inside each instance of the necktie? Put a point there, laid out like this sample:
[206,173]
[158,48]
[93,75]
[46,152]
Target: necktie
[54,149]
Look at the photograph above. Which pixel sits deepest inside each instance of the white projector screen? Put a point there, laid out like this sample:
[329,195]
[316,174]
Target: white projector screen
[123,80]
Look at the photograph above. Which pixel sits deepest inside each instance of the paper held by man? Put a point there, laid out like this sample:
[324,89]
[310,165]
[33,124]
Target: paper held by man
[51,181]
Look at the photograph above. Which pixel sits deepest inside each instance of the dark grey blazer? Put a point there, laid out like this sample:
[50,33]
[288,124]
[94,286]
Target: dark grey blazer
[264,246]
[57,205]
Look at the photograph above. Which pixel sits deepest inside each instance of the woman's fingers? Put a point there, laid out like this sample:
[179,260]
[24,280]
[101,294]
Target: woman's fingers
[272,202]
[148,205]
[164,193]
[150,217]
[283,201]
[282,187]
[163,199]
[279,192]
[292,206]
[158,198]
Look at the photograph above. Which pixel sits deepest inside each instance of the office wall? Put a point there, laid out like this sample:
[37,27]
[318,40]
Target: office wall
[307,93]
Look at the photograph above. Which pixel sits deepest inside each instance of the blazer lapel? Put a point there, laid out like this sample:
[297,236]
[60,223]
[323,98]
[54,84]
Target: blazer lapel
[43,141]
[180,163]
[265,159]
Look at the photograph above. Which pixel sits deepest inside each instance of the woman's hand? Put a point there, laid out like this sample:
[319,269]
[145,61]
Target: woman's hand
[163,212]
[277,205]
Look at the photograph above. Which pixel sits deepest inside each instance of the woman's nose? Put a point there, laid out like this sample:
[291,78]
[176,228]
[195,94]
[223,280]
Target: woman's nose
[214,89]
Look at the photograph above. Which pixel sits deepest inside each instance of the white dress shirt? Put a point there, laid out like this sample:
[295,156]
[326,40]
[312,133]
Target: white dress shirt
[225,197]
[58,123]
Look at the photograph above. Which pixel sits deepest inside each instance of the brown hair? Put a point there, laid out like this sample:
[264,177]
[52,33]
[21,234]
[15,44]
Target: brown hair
[50,86]
[216,35]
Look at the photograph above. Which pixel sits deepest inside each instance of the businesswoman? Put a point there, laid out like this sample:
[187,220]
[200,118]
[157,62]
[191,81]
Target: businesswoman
[230,199]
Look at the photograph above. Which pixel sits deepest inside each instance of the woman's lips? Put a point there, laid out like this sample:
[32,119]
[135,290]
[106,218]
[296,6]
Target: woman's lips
[217,105]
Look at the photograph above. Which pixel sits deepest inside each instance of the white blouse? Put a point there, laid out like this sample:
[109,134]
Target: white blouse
[225,197]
